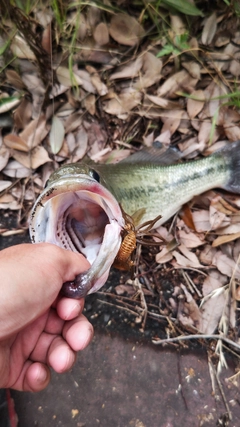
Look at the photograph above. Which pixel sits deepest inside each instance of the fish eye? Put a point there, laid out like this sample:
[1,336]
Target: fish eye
[94,175]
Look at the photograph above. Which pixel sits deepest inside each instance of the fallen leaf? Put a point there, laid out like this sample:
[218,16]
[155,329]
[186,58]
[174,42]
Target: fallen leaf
[90,103]
[194,106]
[209,29]
[175,83]
[56,135]
[15,169]
[4,156]
[189,239]
[96,81]
[67,78]
[201,220]
[14,79]
[34,132]
[212,282]
[4,185]
[100,34]
[188,312]
[125,29]
[151,71]
[163,256]
[37,157]
[130,70]
[226,265]
[20,49]
[207,254]
[15,142]
[221,240]
[81,145]
[212,310]
[123,103]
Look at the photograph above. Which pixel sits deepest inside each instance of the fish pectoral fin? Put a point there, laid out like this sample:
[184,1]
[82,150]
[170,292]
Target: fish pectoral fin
[157,154]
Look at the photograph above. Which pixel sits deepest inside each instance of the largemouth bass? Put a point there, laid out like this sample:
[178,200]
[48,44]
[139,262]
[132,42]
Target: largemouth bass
[81,208]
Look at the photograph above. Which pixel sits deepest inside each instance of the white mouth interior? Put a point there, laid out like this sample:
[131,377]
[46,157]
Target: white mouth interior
[75,221]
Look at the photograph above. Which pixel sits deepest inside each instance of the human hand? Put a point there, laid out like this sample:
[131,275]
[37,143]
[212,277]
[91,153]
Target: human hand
[39,329]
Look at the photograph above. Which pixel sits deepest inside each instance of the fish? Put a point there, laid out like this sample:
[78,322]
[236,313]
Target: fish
[82,206]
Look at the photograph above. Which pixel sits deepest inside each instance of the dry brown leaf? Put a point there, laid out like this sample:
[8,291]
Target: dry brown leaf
[188,312]
[226,265]
[4,185]
[81,144]
[186,261]
[7,201]
[225,239]
[20,49]
[23,114]
[37,157]
[37,90]
[209,29]
[15,169]
[205,132]
[130,70]
[172,121]
[194,106]
[176,83]
[90,103]
[193,69]
[14,79]
[67,78]
[96,81]
[100,34]
[56,135]
[212,310]
[34,132]
[207,254]
[151,71]
[190,239]
[125,29]
[217,219]
[73,122]
[231,124]
[213,281]
[86,80]
[4,156]
[163,256]
[15,142]
[201,221]
[163,102]
[123,103]
[47,39]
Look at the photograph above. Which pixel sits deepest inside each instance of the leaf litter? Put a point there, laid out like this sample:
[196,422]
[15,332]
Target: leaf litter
[106,84]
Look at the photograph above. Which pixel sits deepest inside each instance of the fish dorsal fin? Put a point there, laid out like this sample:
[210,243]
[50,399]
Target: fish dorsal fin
[157,154]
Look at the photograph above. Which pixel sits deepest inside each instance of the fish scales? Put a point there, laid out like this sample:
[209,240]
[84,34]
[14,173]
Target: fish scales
[162,189]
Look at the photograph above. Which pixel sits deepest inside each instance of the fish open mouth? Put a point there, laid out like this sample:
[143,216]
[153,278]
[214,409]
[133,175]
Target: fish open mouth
[80,215]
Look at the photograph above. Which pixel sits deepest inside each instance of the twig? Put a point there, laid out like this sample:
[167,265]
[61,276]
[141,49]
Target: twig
[220,389]
[120,308]
[197,337]
[191,284]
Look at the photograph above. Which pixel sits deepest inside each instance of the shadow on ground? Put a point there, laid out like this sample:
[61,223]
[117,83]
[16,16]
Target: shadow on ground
[122,380]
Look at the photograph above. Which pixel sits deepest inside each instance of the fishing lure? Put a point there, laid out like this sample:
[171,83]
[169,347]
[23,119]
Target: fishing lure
[131,235]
